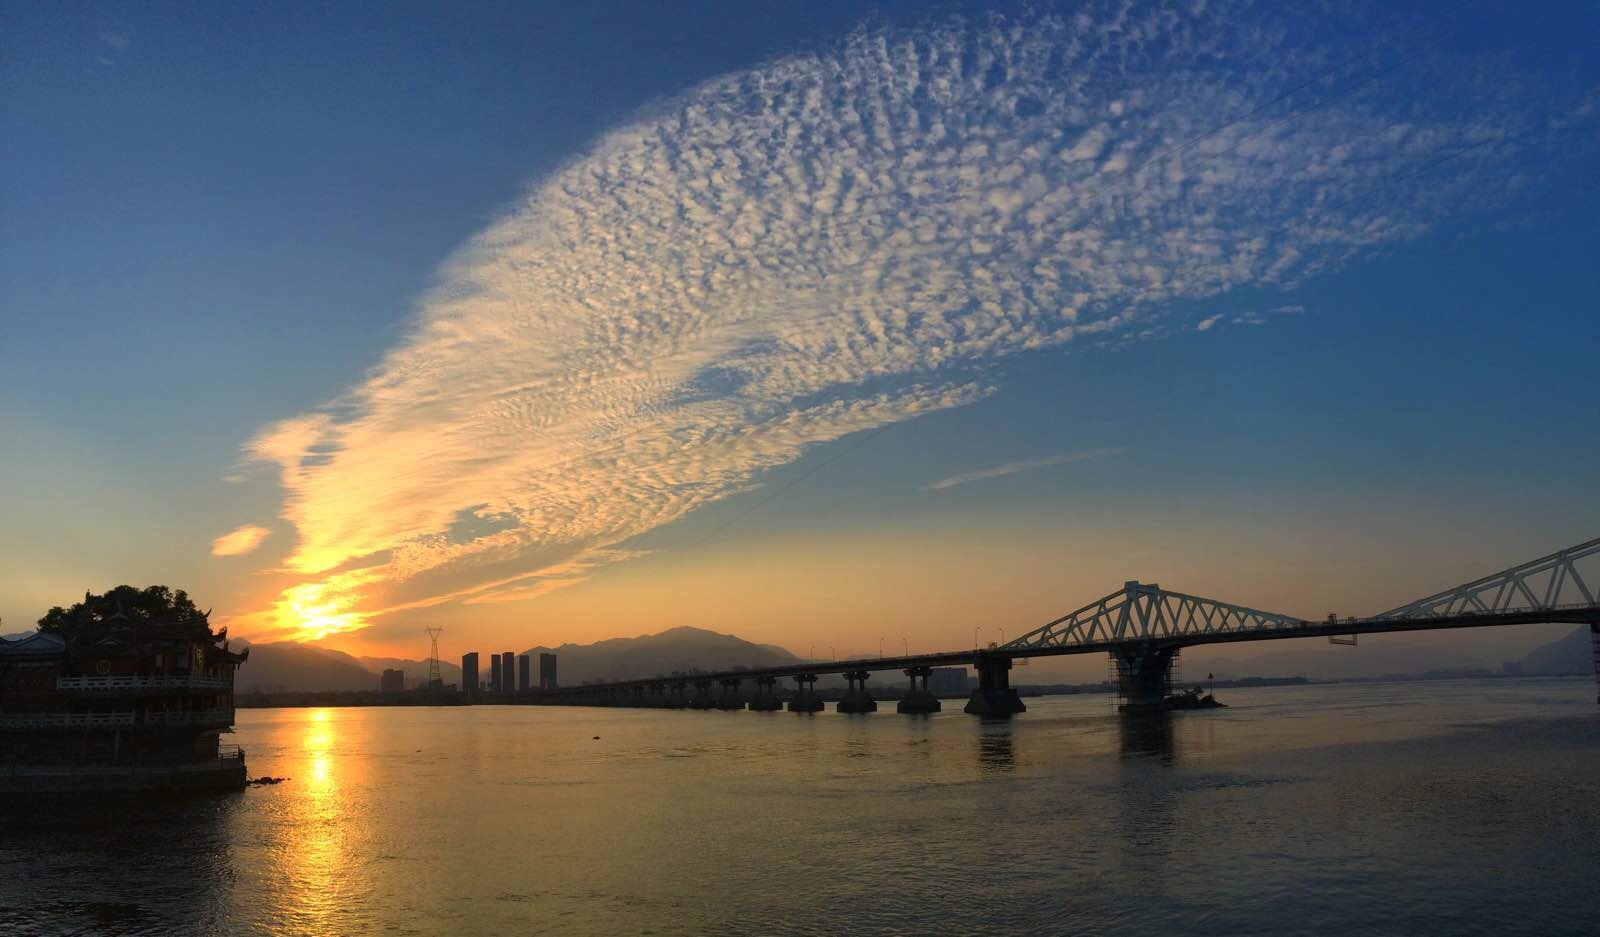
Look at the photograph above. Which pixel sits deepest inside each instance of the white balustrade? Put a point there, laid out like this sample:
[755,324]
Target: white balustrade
[64,720]
[207,717]
[157,682]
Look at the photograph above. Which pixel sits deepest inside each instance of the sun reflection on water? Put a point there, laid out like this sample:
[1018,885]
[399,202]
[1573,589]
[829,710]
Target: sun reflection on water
[314,861]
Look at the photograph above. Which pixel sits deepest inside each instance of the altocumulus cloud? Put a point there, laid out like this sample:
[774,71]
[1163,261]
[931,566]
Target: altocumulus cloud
[841,240]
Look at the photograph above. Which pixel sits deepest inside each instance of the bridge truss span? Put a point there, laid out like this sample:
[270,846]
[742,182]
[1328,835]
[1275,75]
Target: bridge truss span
[1548,583]
[1145,611]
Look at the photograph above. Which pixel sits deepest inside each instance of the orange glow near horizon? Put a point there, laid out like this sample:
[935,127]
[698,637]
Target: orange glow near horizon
[313,611]
[926,587]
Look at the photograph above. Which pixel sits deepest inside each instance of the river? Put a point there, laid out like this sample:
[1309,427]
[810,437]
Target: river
[1450,807]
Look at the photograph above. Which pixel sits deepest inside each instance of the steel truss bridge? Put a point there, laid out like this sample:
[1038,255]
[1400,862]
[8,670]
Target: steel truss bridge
[1142,627]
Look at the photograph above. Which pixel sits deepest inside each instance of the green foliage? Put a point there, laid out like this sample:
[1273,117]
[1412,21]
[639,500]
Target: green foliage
[150,604]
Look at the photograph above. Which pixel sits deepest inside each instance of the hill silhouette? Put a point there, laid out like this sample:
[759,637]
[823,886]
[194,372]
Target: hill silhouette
[290,667]
[1568,655]
[676,650]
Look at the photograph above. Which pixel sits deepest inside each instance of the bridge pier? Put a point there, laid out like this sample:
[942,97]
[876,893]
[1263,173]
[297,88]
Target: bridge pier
[918,701]
[766,698]
[994,695]
[1594,643]
[856,698]
[675,698]
[1144,676]
[702,696]
[730,698]
[805,695]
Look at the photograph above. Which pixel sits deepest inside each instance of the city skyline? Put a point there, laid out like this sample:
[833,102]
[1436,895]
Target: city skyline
[863,324]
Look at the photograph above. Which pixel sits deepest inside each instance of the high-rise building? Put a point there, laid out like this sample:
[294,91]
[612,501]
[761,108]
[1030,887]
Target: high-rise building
[392,681]
[949,681]
[494,673]
[508,671]
[524,672]
[469,673]
[547,671]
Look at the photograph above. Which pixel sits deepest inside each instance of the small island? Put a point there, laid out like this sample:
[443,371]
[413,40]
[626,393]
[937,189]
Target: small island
[1193,698]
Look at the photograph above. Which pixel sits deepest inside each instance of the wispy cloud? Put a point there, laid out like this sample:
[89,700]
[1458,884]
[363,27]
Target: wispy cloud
[1026,465]
[240,540]
[115,40]
[839,241]
[1204,325]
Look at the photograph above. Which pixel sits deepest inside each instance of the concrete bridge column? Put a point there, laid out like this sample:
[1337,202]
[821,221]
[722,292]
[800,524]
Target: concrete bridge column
[730,698]
[658,696]
[1594,643]
[702,696]
[676,700]
[638,696]
[805,694]
[918,700]
[766,698]
[994,695]
[856,698]
[1144,676]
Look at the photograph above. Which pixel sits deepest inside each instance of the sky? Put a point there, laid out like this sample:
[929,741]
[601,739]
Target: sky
[827,325]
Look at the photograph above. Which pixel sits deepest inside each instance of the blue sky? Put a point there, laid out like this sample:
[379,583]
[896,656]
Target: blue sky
[496,316]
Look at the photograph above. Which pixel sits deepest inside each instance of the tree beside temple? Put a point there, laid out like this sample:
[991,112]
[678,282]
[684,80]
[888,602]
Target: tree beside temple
[147,606]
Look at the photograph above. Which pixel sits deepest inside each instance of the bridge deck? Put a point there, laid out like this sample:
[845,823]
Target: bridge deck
[1578,614]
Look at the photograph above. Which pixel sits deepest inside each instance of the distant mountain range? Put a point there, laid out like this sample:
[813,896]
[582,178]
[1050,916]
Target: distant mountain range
[1571,654]
[290,667]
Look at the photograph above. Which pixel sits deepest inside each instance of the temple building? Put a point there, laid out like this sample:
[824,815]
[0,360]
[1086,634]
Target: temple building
[119,704]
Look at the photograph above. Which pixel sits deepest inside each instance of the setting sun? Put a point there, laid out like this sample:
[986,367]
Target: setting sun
[312,611]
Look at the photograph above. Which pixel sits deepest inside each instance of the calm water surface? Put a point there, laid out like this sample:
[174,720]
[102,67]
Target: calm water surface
[1434,808]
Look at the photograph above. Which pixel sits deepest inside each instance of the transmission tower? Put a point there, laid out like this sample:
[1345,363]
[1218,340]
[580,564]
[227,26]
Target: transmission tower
[434,680]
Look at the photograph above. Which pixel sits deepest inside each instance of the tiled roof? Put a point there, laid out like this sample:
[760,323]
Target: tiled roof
[36,644]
